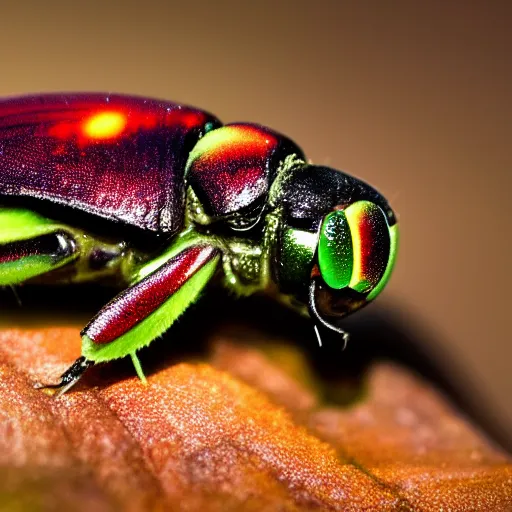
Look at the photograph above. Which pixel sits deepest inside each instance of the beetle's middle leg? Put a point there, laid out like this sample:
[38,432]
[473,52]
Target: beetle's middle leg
[31,246]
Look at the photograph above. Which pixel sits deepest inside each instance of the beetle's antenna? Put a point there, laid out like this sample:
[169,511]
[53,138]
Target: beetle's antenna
[345,336]
[313,311]
[315,328]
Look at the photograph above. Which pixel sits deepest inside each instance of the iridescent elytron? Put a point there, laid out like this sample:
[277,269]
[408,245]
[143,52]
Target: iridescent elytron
[159,199]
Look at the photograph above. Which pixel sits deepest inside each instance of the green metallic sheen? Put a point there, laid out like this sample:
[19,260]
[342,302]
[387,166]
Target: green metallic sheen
[335,253]
[19,224]
[15,272]
[394,238]
[295,259]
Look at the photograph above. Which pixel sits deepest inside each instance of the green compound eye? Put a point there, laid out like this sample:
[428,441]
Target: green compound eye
[335,253]
[357,248]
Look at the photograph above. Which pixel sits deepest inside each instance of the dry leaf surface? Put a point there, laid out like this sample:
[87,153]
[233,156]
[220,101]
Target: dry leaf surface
[245,429]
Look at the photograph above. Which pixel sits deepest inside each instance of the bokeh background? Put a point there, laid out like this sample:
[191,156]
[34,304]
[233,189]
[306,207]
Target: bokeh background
[413,97]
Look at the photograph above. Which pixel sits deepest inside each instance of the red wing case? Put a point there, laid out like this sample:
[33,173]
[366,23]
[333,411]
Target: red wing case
[114,156]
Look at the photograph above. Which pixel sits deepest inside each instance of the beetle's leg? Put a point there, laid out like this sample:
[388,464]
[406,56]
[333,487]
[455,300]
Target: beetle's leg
[31,246]
[163,289]
[313,312]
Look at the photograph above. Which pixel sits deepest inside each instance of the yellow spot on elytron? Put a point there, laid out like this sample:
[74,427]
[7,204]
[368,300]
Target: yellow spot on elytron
[105,125]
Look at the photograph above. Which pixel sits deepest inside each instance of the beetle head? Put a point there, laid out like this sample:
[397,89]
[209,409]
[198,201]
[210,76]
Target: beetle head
[336,245]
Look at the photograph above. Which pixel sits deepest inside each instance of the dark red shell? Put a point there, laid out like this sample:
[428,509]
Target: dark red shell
[231,169]
[114,156]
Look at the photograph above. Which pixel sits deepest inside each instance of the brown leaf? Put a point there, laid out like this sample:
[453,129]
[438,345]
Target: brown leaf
[248,430]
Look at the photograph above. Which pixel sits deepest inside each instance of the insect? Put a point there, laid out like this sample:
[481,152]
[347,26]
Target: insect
[160,199]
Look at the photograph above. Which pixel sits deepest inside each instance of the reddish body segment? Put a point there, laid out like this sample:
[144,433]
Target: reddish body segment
[139,301]
[232,168]
[117,157]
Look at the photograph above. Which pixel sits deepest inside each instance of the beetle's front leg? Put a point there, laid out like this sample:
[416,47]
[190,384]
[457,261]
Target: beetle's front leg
[163,289]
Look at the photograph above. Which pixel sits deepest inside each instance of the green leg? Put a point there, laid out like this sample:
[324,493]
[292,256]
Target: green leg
[31,245]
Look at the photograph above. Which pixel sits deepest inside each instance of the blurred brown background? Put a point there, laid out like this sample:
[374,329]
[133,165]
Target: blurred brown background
[413,97]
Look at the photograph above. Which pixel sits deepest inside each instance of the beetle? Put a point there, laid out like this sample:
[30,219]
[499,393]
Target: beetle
[160,198]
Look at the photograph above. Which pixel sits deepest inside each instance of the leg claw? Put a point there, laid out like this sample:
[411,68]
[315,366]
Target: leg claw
[69,378]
